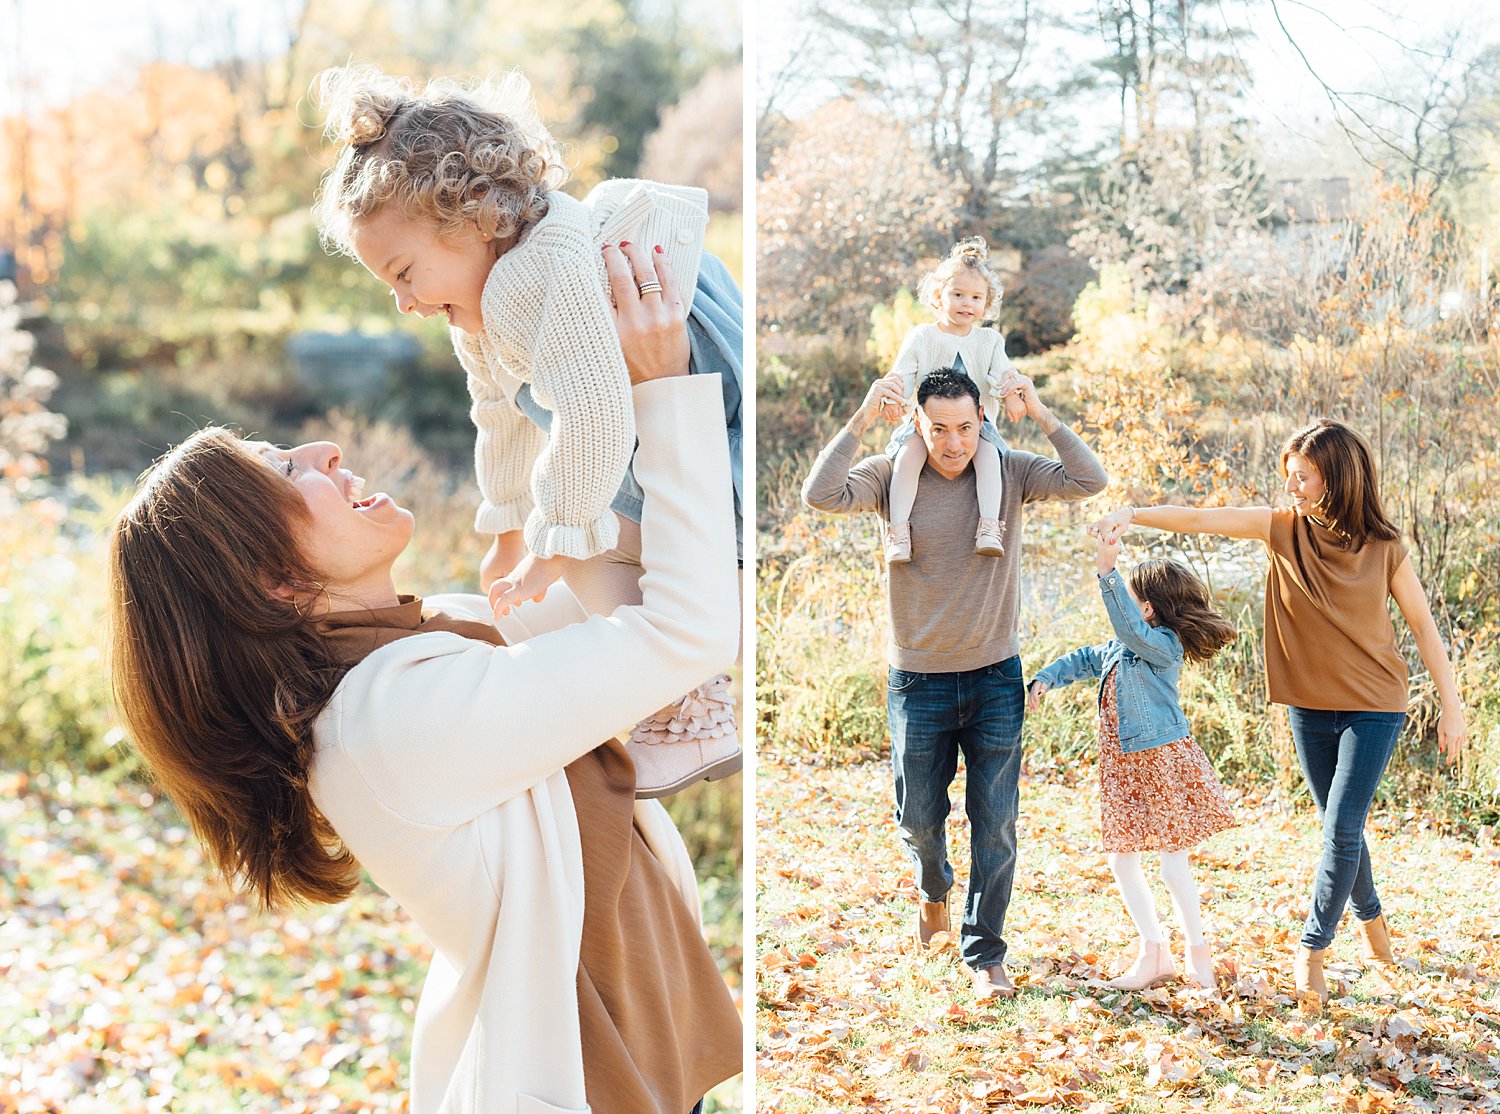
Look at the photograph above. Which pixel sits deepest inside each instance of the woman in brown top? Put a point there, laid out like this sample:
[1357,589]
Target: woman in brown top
[1331,655]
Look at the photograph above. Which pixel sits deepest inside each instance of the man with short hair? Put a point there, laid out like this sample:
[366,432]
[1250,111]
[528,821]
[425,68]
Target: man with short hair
[955,681]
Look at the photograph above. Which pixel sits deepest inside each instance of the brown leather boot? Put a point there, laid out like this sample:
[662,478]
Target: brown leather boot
[1307,972]
[1376,939]
[932,918]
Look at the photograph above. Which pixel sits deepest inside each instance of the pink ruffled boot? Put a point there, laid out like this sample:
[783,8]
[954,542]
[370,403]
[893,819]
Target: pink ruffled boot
[695,739]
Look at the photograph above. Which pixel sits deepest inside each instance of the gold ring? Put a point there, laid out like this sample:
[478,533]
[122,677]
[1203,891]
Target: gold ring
[650,286]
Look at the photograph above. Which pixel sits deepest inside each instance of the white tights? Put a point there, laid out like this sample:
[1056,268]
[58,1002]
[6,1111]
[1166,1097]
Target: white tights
[1177,873]
[908,470]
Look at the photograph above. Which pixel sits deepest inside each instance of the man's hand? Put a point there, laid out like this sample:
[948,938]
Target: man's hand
[884,399]
[1036,409]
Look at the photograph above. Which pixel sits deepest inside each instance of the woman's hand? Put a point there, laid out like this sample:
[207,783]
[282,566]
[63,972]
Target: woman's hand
[1452,731]
[649,312]
[1109,528]
[1034,695]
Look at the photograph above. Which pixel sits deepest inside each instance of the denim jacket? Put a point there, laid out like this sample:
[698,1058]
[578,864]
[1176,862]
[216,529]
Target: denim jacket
[1149,660]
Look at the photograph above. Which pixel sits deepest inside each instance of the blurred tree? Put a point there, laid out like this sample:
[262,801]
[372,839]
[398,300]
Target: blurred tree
[699,141]
[1186,181]
[957,72]
[846,211]
[27,427]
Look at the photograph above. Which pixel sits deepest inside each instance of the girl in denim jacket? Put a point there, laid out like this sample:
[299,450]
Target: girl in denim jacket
[1158,791]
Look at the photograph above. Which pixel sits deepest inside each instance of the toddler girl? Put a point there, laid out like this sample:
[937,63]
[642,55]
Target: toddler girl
[1157,790]
[962,291]
[450,195]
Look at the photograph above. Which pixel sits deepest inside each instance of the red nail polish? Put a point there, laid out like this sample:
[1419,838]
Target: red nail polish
[605,247]
[658,249]
[624,243]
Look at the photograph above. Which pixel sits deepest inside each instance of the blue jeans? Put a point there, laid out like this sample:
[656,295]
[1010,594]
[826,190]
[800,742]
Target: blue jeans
[1343,755]
[933,717]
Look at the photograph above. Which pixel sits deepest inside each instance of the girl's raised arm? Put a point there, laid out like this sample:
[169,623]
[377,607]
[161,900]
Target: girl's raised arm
[1407,591]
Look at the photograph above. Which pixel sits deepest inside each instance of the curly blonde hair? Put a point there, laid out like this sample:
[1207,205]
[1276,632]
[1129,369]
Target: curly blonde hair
[971,254]
[448,153]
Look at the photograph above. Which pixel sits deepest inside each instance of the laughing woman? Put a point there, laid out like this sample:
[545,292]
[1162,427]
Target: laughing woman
[1331,656]
[308,720]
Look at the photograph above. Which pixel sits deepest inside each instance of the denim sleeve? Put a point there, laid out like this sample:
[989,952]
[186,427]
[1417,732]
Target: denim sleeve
[1154,645]
[1076,665]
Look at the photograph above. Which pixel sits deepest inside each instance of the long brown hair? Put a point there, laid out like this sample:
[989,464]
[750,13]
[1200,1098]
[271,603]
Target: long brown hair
[218,680]
[1351,499]
[1181,603]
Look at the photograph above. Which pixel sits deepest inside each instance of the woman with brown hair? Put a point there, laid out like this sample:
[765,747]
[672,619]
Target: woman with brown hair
[1331,655]
[308,720]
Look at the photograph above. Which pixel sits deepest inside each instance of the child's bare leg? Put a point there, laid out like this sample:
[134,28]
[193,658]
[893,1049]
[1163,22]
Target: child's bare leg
[690,740]
[989,539]
[908,470]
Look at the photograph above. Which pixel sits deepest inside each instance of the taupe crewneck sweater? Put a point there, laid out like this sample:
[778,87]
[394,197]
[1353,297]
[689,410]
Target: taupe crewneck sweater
[950,608]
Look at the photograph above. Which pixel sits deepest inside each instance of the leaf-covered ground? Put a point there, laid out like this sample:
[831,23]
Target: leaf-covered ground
[132,982]
[851,1016]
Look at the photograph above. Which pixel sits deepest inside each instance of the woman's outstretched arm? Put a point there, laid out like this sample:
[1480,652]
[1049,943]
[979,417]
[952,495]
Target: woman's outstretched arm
[1228,522]
[1407,591]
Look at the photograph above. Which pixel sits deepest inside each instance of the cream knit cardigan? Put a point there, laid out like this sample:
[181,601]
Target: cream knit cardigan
[927,348]
[547,322]
[440,764]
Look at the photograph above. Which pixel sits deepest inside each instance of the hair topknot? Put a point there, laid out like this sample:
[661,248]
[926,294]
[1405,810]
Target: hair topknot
[970,254]
[447,153]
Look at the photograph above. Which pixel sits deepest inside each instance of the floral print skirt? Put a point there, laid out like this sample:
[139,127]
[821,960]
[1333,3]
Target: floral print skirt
[1167,798]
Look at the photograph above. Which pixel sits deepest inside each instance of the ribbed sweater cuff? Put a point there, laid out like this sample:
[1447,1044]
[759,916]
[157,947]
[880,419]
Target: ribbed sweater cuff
[502,518]
[556,540]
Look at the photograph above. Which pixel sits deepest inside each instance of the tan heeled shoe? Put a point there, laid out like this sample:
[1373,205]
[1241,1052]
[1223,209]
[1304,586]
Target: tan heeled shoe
[1375,938]
[1153,966]
[1307,972]
[1200,966]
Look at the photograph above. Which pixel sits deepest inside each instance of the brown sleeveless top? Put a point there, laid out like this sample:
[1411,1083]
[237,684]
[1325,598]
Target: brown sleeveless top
[658,1025]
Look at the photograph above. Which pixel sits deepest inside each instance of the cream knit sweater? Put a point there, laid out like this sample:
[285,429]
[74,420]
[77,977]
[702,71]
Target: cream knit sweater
[440,764]
[548,322]
[927,348]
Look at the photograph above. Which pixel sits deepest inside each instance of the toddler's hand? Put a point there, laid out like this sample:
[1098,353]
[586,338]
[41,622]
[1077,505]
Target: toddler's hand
[1012,396]
[1034,695]
[530,581]
[505,554]
[1107,553]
